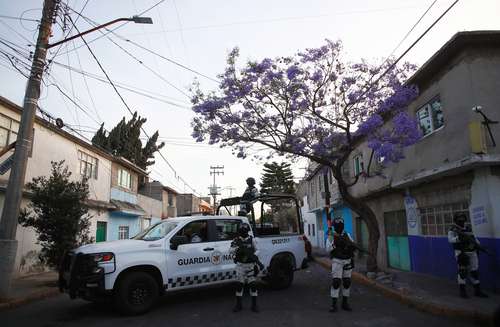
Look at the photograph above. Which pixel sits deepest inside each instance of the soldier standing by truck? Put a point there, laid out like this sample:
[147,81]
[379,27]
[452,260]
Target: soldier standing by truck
[342,250]
[247,266]
[465,245]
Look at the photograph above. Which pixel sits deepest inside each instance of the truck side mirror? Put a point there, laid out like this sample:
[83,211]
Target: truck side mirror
[178,240]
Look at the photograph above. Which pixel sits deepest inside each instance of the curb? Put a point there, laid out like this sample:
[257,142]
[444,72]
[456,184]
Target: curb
[419,304]
[40,295]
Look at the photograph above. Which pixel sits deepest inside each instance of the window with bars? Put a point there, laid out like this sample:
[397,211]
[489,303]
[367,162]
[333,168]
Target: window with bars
[395,223]
[88,165]
[123,233]
[437,220]
[430,116]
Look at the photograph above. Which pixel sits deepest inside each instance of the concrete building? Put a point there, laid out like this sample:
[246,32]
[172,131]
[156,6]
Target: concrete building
[166,195]
[190,204]
[116,209]
[312,190]
[454,168]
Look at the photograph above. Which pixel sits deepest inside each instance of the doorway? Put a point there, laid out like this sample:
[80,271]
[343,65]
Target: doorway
[396,234]
[101,231]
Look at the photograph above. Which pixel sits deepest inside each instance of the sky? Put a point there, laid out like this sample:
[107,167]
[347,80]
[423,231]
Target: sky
[199,35]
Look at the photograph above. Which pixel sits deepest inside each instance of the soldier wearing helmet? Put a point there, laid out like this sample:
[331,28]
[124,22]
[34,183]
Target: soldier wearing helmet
[244,251]
[342,253]
[465,246]
[251,192]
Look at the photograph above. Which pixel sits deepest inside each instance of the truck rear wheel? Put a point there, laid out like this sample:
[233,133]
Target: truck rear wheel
[136,293]
[281,273]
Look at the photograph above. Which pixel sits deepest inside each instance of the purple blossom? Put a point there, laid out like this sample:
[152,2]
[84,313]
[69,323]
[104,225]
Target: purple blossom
[293,71]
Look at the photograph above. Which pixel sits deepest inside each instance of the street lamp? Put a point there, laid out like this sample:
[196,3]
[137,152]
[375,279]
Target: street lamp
[135,19]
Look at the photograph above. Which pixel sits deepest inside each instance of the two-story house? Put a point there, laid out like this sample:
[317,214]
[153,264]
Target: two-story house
[454,168]
[113,201]
[317,191]
[166,195]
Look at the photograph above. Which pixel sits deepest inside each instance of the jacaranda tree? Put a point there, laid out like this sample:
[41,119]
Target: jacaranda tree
[314,104]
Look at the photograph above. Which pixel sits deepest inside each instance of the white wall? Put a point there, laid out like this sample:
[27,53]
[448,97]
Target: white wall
[50,146]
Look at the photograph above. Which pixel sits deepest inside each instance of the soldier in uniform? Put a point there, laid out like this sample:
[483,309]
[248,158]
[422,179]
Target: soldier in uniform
[247,266]
[342,253]
[465,245]
[251,192]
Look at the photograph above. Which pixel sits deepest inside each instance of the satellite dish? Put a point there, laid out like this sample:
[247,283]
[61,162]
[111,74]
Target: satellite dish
[59,123]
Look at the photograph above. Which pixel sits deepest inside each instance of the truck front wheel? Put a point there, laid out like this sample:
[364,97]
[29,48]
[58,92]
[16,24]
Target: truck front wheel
[136,293]
[281,273]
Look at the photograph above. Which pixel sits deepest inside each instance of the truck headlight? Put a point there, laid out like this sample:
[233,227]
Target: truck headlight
[103,257]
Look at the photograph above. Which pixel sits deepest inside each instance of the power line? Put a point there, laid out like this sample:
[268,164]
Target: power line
[90,21]
[127,87]
[69,32]
[411,30]
[119,26]
[370,85]
[147,67]
[20,18]
[30,42]
[126,105]
[278,19]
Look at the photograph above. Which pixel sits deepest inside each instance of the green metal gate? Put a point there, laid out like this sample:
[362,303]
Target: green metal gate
[396,231]
[100,234]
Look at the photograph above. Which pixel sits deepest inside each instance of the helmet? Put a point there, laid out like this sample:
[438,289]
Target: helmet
[244,230]
[338,224]
[250,181]
[460,219]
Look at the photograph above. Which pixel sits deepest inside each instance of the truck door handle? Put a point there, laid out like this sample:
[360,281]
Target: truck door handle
[208,249]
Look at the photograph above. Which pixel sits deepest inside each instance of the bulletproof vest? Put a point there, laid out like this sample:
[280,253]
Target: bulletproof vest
[249,194]
[466,240]
[342,247]
[245,251]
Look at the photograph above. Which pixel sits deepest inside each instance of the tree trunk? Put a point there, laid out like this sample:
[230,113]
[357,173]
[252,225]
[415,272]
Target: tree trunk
[367,214]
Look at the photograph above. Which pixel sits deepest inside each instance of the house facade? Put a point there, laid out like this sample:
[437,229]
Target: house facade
[454,168]
[115,206]
[190,204]
[313,191]
[166,195]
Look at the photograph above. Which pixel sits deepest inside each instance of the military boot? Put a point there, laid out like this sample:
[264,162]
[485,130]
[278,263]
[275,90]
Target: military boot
[463,292]
[478,292]
[333,308]
[255,308]
[345,304]
[238,305]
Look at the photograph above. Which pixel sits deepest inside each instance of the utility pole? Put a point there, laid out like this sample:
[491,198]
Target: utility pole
[215,170]
[14,193]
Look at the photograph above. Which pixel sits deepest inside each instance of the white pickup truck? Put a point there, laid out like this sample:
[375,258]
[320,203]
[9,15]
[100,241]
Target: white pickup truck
[186,252]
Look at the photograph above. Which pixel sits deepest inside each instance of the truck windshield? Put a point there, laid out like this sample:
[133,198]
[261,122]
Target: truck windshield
[156,232]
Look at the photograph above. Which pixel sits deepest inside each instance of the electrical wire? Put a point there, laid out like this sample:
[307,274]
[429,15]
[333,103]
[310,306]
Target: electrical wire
[93,23]
[409,32]
[148,94]
[119,26]
[126,105]
[19,18]
[370,85]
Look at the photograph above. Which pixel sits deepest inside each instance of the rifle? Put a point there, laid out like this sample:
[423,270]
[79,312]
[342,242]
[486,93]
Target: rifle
[468,236]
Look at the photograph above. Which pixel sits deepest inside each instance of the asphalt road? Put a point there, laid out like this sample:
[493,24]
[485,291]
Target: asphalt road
[306,303]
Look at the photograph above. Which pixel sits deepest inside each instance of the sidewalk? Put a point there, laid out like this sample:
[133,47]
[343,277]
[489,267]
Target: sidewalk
[423,292]
[31,288]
